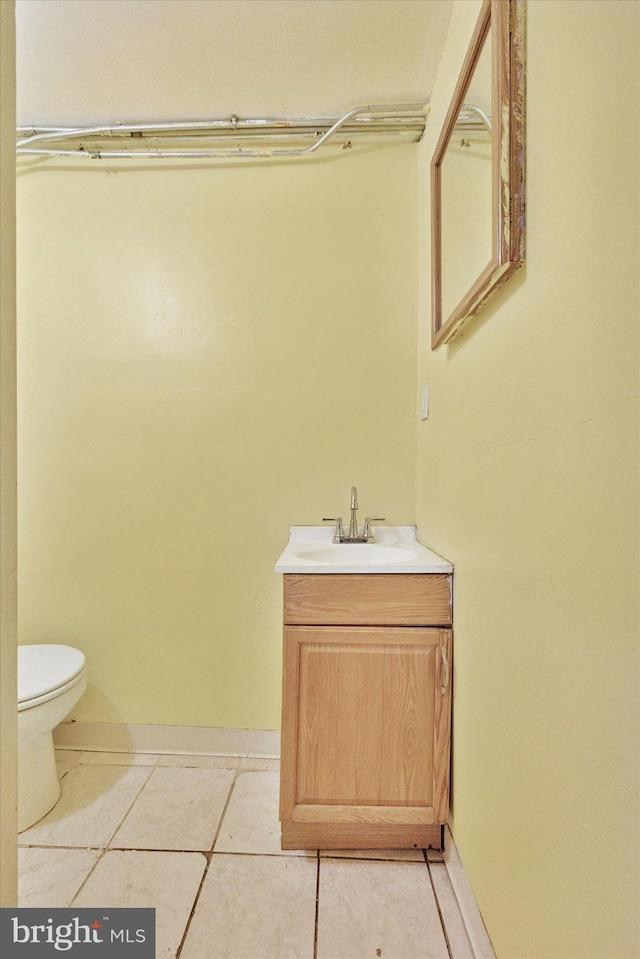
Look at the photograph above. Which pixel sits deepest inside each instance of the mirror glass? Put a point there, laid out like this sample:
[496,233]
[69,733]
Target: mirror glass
[477,173]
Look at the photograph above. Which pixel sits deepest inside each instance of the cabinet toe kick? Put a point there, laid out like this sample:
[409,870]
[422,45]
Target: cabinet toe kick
[361,835]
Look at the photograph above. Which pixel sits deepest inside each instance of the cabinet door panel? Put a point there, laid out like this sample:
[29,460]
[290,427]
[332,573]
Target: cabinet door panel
[365,714]
[365,725]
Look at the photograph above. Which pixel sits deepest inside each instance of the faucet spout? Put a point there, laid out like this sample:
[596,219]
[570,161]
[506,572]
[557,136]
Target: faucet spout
[354,535]
[353,524]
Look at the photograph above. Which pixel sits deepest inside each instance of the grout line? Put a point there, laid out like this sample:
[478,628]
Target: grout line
[437,902]
[133,801]
[196,900]
[260,855]
[317,915]
[207,853]
[224,811]
[416,862]
[209,857]
[37,845]
[84,882]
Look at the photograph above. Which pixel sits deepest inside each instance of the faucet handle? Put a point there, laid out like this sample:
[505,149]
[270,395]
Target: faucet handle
[339,532]
[367,532]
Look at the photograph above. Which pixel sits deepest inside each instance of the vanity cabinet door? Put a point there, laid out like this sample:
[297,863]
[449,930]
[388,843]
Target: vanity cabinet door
[365,737]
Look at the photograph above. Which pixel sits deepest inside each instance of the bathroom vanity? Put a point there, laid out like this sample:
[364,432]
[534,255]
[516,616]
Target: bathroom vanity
[367,676]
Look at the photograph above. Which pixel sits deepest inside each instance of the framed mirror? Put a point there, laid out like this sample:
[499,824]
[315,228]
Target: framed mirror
[477,173]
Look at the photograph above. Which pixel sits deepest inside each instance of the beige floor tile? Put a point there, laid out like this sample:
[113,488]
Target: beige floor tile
[451,915]
[50,878]
[179,808]
[165,881]
[256,764]
[377,909]
[68,756]
[65,760]
[251,821]
[255,907]
[406,855]
[201,762]
[94,801]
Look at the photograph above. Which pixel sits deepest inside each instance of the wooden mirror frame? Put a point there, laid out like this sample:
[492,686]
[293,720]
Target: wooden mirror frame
[505,20]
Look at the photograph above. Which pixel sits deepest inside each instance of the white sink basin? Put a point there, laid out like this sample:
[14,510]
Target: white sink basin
[395,550]
[369,554]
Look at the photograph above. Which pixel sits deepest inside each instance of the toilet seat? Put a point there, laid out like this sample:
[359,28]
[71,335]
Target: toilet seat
[47,671]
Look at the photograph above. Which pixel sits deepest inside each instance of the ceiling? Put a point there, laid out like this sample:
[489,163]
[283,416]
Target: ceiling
[83,62]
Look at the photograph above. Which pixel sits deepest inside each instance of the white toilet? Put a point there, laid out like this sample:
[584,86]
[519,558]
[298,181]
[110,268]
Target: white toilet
[51,680]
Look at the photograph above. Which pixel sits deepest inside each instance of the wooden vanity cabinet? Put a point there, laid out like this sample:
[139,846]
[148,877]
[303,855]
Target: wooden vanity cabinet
[366,710]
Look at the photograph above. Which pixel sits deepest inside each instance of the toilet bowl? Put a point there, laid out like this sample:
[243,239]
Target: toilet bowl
[51,680]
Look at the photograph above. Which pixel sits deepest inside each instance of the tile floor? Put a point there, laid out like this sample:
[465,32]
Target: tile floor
[197,837]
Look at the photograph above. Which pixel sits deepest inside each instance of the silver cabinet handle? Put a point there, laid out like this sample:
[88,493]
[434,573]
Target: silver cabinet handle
[445,670]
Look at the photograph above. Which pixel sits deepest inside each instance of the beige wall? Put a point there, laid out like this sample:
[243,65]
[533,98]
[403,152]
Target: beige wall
[206,356]
[528,482]
[8,715]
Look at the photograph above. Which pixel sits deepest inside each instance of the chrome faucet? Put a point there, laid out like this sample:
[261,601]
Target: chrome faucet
[353,536]
[353,525]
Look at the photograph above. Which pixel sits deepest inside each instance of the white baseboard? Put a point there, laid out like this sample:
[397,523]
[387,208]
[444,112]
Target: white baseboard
[199,740]
[476,931]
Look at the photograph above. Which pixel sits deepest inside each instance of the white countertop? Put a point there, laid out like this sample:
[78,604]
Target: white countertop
[395,549]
